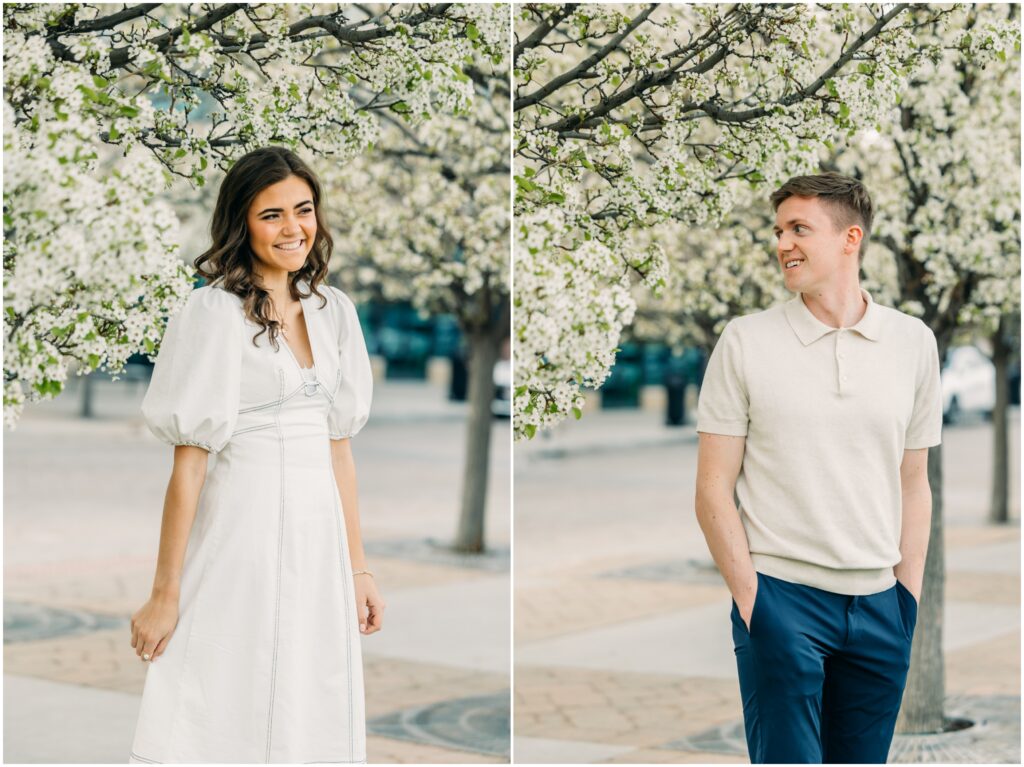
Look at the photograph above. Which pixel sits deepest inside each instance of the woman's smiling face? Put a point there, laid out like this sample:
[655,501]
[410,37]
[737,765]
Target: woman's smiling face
[282,225]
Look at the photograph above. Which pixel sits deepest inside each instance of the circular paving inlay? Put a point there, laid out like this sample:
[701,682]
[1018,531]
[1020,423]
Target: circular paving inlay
[479,723]
[24,622]
[676,570]
[993,739]
[433,551]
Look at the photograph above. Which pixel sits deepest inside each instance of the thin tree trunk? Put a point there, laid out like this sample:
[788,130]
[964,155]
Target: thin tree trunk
[483,353]
[923,699]
[999,510]
[87,395]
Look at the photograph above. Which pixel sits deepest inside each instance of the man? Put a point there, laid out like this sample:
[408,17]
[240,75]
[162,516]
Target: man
[818,414]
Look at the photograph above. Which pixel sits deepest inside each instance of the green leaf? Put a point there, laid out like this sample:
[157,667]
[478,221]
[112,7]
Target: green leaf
[525,184]
[530,430]
[472,32]
[577,412]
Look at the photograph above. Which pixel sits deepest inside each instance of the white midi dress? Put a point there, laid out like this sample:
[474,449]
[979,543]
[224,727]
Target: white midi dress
[264,664]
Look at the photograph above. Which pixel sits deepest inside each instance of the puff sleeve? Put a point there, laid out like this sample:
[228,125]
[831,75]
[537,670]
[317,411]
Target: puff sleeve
[193,395]
[351,406]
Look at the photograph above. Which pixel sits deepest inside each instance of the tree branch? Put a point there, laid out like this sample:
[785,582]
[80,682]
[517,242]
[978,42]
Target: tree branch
[542,30]
[552,85]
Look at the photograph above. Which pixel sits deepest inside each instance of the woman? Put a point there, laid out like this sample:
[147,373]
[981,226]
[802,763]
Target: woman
[251,630]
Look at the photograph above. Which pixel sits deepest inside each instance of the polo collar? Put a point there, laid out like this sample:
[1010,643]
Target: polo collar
[809,328]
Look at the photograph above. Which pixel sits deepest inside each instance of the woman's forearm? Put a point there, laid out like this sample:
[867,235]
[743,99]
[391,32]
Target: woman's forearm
[348,490]
[180,504]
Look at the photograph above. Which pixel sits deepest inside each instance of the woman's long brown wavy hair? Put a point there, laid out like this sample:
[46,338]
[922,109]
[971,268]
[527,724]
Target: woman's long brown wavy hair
[230,260]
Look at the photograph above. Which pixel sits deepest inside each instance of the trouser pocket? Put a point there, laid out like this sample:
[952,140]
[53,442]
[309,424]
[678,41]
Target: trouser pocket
[908,609]
[735,614]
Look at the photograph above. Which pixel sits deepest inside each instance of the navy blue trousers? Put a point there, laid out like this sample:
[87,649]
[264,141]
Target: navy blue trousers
[822,674]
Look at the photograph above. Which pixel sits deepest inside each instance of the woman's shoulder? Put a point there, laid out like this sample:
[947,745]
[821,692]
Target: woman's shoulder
[214,303]
[336,296]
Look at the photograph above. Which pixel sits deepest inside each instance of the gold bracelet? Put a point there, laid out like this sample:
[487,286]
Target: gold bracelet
[363,572]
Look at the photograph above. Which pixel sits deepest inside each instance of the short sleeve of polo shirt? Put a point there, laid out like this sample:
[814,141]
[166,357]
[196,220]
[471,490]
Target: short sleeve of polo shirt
[925,426]
[723,405]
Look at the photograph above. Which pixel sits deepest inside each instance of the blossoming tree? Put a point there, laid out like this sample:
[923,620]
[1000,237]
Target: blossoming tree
[425,218]
[629,116]
[177,92]
[942,165]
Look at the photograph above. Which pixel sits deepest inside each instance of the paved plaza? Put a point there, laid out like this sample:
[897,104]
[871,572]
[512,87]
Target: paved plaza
[623,645]
[82,508]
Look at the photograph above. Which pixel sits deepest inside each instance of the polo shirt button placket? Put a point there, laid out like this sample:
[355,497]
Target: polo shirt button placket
[840,374]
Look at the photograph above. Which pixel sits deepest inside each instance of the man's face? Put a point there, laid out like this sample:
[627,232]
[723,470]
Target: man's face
[810,251]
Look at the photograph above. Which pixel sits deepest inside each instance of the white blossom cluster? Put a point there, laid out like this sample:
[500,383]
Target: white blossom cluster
[945,175]
[613,159]
[88,232]
[89,263]
[430,226]
[951,257]
[716,273]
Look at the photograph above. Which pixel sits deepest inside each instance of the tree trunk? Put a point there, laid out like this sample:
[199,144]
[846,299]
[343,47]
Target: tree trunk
[923,699]
[87,395]
[483,353]
[999,510]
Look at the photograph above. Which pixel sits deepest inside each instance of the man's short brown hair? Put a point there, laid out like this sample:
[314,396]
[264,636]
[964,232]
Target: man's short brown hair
[846,199]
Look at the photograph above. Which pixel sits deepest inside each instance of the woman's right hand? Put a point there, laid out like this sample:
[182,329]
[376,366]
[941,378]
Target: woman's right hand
[152,626]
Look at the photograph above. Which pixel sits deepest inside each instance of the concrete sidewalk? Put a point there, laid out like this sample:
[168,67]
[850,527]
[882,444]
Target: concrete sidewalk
[83,504]
[623,647]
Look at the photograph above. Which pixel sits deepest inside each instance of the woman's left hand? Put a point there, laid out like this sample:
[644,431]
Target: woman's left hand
[370,605]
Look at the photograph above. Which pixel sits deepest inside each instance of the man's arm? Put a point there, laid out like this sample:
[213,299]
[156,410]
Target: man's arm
[917,520]
[719,459]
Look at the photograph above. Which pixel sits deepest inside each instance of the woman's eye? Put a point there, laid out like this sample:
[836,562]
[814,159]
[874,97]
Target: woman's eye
[798,227]
[306,210]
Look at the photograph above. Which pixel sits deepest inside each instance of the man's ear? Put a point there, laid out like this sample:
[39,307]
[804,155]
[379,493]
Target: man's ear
[854,235]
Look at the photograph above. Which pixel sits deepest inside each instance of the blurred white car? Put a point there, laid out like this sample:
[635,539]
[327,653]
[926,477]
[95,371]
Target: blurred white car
[501,405]
[968,383]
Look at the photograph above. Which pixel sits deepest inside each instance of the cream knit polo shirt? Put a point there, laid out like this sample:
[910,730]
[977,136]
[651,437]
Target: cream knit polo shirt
[827,413]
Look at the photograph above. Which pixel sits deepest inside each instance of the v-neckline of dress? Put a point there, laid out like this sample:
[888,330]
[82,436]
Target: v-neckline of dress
[312,351]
